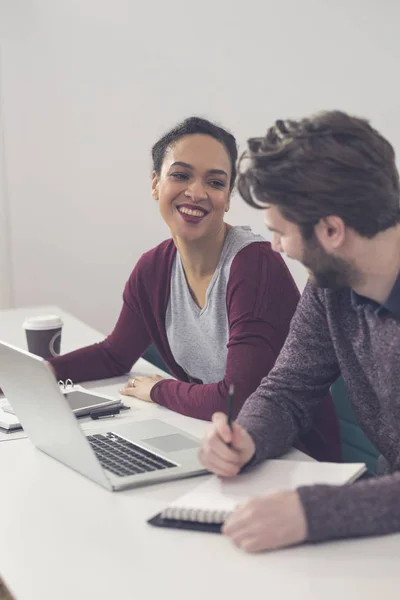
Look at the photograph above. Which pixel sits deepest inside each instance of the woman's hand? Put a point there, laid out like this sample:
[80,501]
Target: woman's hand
[140,387]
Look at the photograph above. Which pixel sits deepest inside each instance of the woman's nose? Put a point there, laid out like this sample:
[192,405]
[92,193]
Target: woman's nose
[196,191]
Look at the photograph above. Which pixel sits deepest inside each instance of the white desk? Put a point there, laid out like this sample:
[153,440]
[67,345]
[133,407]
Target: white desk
[63,537]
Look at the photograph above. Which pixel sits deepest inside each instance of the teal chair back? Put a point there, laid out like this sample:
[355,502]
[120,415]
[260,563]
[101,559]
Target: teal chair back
[153,356]
[356,447]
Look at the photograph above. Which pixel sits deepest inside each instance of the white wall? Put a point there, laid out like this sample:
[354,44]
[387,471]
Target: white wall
[6,291]
[89,85]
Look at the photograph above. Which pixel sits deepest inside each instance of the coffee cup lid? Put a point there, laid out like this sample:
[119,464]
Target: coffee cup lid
[43,322]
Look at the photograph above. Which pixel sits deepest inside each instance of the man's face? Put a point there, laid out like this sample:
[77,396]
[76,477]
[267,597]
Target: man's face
[325,270]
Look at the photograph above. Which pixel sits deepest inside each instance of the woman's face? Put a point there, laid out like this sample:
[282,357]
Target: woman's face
[193,187]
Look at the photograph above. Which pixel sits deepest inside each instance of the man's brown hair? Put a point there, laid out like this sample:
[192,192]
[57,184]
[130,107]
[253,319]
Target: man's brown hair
[329,164]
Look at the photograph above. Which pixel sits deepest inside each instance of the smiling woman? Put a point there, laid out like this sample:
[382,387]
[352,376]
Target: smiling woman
[214,299]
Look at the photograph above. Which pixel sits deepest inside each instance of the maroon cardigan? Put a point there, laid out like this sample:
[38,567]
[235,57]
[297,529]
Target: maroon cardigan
[261,300]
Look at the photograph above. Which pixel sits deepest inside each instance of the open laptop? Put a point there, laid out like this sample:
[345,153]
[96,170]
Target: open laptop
[137,453]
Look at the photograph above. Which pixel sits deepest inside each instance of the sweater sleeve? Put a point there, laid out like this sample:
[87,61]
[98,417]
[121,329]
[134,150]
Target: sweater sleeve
[369,507]
[284,405]
[261,300]
[118,352]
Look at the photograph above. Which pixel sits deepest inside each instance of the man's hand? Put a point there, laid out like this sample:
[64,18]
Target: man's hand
[267,523]
[219,457]
[140,387]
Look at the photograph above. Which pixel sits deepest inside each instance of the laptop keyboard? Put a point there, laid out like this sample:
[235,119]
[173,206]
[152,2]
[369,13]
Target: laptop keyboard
[124,458]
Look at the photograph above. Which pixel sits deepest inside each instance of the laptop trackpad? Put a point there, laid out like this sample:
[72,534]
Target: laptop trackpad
[171,443]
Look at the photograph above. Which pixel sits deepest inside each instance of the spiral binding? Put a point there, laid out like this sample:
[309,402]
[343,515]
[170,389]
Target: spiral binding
[68,384]
[176,513]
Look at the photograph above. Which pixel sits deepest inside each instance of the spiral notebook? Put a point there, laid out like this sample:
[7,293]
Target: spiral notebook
[207,506]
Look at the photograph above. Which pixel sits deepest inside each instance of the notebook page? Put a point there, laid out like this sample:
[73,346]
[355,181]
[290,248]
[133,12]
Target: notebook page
[218,494]
[7,420]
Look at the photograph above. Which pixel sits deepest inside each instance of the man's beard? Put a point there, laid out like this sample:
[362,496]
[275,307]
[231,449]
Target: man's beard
[327,271]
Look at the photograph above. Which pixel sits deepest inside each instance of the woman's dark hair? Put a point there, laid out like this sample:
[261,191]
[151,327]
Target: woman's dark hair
[193,126]
[329,164]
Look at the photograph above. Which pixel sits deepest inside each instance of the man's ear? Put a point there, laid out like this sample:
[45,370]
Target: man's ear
[154,185]
[331,232]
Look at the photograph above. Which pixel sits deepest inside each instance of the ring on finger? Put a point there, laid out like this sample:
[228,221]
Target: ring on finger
[131,382]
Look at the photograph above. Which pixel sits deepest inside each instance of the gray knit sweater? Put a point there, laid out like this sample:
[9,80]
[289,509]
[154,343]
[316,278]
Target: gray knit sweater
[333,333]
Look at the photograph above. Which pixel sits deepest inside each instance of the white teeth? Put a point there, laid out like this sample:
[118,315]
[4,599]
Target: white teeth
[192,213]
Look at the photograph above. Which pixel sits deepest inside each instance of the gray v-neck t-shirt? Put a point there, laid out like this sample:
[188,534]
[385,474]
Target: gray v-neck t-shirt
[198,337]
